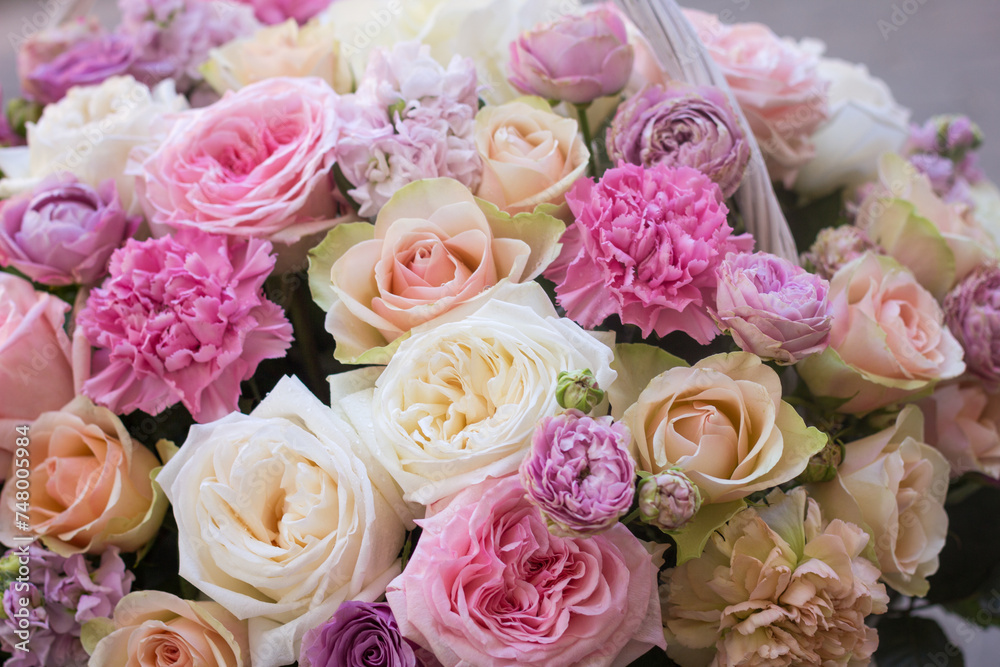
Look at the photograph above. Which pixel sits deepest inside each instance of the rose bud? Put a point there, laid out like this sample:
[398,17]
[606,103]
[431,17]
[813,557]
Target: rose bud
[578,390]
[668,500]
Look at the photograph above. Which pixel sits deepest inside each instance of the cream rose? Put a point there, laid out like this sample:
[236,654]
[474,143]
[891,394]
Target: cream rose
[280,50]
[153,628]
[888,339]
[90,133]
[433,247]
[894,486]
[91,486]
[530,155]
[722,422]
[459,401]
[279,518]
[865,122]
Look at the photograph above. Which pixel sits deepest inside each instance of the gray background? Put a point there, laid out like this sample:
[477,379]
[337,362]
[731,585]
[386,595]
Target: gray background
[938,56]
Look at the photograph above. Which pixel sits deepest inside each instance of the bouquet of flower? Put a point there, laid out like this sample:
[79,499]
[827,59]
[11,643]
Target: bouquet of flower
[347,335]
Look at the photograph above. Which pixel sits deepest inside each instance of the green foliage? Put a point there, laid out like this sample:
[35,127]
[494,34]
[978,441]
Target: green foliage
[912,641]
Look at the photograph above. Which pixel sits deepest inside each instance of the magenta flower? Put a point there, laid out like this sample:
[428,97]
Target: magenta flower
[62,595]
[972,313]
[86,63]
[576,58]
[772,307]
[645,247]
[273,12]
[579,473]
[182,319]
[64,231]
[681,126]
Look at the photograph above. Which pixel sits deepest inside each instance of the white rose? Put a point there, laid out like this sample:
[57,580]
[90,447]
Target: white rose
[865,122]
[986,208]
[90,133]
[449,27]
[460,399]
[279,519]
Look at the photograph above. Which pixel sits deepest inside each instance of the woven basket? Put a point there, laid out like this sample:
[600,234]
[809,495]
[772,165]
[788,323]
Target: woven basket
[684,58]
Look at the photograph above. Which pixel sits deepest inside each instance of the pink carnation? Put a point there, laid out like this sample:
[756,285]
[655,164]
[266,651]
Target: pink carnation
[182,320]
[645,247]
[488,585]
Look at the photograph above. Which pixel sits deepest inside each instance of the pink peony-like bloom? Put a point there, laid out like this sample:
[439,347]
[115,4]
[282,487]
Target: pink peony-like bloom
[778,587]
[579,473]
[576,58]
[64,231]
[256,163]
[972,311]
[681,126]
[172,38]
[411,119]
[273,12]
[488,585]
[645,247]
[87,62]
[777,84]
[772,307]
[182,319]
[962,421]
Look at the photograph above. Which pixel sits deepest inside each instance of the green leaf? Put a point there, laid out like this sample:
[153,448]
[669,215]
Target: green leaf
[94,631]
[912,641]
[971,553]
[321,258]
[691,539]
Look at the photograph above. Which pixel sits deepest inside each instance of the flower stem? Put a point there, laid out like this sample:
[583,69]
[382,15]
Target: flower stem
[588,139]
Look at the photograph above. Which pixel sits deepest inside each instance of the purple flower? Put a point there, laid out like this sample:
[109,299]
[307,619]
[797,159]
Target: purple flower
[579,473]
[835,247]
[772,307]
[576,58]
[46,45]
[681,126]
[645,247]
[59,596]
[173,37]
[972,313]
[668,500]
[362,634]
[86,63]
[64,231]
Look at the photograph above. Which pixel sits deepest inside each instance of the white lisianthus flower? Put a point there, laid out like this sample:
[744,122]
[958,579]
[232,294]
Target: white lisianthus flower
[281,518]
[865,122]
[449,27]
[460,398]
[90,133]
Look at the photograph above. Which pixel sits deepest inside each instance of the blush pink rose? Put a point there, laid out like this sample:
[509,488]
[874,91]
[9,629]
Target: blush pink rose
[777,84]
[36,369]
[962,422]
[256,163]
[488,585]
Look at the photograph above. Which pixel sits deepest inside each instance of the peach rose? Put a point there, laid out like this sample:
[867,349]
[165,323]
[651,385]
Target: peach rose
[894,486]
[153,628]
[722,422]
[433,247]
[963,423]
[91,484]
[888,340]
[531,155]
[36,369]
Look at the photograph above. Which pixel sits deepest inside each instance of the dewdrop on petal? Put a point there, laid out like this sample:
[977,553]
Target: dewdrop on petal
[668,500]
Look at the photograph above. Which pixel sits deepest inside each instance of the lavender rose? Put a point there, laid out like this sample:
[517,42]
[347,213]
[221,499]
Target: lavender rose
[681,126]
[579,473]
[575,58]
[772,308]
[46,45]
[972,313]
[362,634]
[64,231]
[86,63]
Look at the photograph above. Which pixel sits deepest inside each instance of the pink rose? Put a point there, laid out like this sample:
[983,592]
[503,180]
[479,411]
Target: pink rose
[45,46]
[256,163]
[888,340]
[433,247]
[575,58]
[36,369]
[777,84]
[488,585]
[963,423]
[182,320]
[273,12]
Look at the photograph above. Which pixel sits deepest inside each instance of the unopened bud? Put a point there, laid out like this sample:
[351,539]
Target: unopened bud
[822,467]
[578,390]
[20,112]
[668,500]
